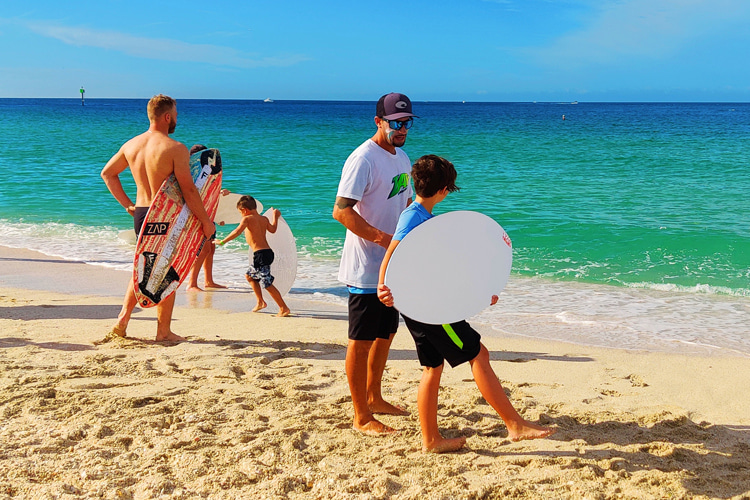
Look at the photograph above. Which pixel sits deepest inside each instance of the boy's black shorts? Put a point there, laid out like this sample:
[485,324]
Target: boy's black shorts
[455,343]
[370,319]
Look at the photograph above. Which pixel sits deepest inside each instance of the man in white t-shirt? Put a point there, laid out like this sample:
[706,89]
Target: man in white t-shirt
[373,191]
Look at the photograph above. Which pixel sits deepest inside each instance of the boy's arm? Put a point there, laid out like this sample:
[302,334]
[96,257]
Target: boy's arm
[274,222]
[237,231]
[384,293]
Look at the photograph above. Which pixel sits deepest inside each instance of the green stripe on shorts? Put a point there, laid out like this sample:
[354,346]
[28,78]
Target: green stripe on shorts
[452,334]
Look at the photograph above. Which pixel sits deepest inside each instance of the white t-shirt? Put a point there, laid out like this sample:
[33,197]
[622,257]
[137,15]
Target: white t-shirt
[380,183]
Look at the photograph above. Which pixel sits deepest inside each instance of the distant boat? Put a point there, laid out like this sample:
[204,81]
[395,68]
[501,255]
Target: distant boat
[574,102]
[268,100]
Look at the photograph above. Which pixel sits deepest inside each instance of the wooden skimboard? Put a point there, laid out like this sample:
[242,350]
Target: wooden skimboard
[227,212]
[171,237]
[284,266]
[448,268]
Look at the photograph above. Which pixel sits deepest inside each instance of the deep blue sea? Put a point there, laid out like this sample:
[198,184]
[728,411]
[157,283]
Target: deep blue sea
[630,222]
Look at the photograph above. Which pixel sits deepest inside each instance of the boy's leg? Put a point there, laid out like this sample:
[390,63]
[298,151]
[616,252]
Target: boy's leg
[492,391]
[276,296]
[164,320]
[258,294]
[427,402]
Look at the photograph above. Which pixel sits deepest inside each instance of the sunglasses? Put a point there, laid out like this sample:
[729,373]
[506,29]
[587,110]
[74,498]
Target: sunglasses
[398,125]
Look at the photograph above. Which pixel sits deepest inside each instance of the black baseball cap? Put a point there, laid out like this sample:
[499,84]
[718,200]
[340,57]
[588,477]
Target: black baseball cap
[394,106]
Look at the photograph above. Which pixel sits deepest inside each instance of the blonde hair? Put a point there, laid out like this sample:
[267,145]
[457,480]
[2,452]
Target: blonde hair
[160,104]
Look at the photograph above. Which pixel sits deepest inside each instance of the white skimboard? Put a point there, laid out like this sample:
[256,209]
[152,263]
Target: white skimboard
[448,268]
[227,212]
[284,266]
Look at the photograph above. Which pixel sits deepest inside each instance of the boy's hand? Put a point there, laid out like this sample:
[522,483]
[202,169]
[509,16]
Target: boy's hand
[384,294]
[493,300]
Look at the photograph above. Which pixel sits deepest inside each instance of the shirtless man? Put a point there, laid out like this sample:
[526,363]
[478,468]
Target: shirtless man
[152,157]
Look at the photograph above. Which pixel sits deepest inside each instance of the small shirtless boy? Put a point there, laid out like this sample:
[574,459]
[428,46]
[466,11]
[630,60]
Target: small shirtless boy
[258,275]
[434,177]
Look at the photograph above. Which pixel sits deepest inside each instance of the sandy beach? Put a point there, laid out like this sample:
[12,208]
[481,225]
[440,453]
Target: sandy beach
[254,406]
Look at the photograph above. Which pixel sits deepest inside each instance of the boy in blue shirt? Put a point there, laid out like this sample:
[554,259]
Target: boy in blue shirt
[434,177]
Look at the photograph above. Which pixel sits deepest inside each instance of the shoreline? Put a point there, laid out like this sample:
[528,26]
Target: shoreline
[252,404]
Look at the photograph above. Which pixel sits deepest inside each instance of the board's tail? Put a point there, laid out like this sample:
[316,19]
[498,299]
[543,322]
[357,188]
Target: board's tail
[171,281]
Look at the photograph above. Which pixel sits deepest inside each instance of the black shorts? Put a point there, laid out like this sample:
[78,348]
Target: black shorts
[455,343]
[370,319]
[139,217]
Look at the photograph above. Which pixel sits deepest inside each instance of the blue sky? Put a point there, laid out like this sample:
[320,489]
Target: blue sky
[435,50]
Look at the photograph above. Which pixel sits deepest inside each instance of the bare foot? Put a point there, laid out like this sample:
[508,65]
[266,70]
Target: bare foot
[169,337]
[214,285]
[283,312]
[194,288]
[374,428]
[385,408]
[530,431]
[445,445]
[119,331]
[259,306]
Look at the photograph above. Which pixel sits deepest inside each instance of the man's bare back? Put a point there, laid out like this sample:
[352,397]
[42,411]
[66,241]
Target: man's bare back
[152,157]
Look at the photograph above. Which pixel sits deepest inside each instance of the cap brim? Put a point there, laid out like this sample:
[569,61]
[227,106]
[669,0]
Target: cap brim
[396,116]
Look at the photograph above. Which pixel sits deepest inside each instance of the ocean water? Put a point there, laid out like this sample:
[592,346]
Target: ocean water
[629,222]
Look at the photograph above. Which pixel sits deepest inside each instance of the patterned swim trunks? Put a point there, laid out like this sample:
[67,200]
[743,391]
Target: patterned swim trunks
[260,271]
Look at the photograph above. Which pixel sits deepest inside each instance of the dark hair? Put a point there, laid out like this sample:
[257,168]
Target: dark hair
[247,202]
[197,147]
[431,173]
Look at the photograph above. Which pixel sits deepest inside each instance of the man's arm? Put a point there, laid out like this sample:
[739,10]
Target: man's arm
[189,191]
[111,176]
[384,293]
[343,211]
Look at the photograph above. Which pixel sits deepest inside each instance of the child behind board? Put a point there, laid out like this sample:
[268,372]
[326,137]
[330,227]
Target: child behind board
[434,177]
[258,275]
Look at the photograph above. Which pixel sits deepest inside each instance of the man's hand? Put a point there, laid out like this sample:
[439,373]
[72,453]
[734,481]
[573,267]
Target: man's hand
[209,229]
[385,296]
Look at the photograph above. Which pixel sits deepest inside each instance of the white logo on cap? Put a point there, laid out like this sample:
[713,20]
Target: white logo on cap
[401,105]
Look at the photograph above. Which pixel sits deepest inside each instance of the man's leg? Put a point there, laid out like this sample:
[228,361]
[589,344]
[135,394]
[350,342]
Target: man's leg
[196,269]
[164,320]
[128,304]
[376,361]
[357,354]
[208,267]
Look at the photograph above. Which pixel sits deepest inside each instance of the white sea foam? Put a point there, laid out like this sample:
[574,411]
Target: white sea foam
[645,317]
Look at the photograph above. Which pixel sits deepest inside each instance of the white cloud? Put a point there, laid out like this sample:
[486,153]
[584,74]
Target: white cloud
[653,29]
[158,48]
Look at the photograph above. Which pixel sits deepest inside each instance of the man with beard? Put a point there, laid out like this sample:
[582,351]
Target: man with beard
[373,190]
[152,157]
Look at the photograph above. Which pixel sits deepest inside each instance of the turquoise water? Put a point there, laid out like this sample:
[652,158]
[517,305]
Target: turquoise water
[617,197]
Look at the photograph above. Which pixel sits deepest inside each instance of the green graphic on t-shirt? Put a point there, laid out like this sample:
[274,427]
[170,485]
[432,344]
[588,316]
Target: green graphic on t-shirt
[400,183]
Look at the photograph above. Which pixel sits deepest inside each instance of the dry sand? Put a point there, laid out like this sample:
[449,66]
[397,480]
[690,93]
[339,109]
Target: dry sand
[255,406]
